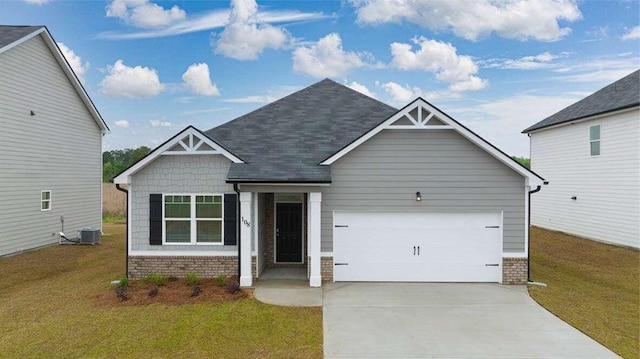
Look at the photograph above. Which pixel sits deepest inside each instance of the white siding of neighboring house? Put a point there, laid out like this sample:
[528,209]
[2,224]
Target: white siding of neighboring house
[58,149]
[607,187]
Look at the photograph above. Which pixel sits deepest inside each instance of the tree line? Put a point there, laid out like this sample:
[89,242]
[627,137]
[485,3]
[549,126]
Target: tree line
[115,161]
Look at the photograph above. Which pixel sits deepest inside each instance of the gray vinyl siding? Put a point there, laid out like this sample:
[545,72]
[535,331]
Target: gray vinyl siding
[184,174]
[58,149]
[452,174]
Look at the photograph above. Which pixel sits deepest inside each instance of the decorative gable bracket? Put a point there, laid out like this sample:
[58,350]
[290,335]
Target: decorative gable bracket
[193,144]
[189,141]
[417,117]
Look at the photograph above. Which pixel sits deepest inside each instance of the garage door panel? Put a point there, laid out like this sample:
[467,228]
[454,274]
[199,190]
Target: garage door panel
[370,246]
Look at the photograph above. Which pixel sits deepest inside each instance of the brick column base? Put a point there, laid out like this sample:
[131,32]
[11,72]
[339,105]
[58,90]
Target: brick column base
[514,270]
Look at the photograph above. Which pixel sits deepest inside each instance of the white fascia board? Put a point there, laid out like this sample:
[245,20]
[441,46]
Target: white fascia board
[48,39]
[125,177]
[451,124]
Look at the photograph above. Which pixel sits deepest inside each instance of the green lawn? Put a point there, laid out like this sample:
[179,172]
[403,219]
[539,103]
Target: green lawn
[47,310]
[593,286]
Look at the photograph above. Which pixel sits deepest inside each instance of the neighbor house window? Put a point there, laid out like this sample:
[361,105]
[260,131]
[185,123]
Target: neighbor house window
[193,219]
[594,139]
[45,200]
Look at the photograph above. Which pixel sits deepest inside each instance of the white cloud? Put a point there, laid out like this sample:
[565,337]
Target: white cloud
[401,94]
[126,81]
[600,71]
[361,88]
[37,2]
[143,13]
[540,61]
[501,121]
[197,79]
[326,58]
[268,96]
[633,34]
[245,37]
[211,20]
[440,58]
[516,19]
[74,61]
[122,123]
[160,123]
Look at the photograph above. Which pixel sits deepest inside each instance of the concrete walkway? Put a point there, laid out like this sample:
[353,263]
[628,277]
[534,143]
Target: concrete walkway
[288,292]
[432,320]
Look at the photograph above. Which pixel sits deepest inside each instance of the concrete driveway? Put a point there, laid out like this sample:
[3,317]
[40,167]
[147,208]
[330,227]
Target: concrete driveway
[429,320]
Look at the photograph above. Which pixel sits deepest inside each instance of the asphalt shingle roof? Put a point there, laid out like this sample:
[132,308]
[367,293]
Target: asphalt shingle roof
[11,34]
[286,140]
[619,95]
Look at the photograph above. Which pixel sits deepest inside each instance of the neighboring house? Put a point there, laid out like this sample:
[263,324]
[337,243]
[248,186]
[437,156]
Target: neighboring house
[337,182]
[590,153]
[50,144]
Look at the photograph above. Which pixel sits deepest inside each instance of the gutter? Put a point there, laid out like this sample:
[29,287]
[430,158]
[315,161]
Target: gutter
[238,241]
[126,273]
[529,231]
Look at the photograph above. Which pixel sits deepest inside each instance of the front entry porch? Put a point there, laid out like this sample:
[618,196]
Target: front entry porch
[280,229]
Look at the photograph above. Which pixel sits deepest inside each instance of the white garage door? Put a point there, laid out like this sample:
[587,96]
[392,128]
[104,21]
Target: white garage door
[417,247]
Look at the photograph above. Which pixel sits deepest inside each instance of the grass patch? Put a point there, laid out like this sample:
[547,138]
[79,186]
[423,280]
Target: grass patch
[48,310]
[114,219]
[593,286]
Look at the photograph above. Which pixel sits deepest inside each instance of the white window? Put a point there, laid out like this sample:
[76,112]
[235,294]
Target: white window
[193,219]
[45,200]
[594,139]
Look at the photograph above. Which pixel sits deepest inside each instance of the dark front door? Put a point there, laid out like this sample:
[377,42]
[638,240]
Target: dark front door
[289,232]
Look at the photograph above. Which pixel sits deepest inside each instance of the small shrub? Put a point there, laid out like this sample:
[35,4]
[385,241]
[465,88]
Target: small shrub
[122,292]
[192,279]
[157,279]
[123,281]
[221,280]
[232,288]
[196,290]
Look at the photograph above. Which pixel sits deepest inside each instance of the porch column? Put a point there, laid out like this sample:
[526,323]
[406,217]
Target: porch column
[315,199]
[246,234]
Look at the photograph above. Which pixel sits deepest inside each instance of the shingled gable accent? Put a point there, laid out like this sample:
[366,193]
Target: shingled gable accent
[189,141]
[421,115]
[57,54]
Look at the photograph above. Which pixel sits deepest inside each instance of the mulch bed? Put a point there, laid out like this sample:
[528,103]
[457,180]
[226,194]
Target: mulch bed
[174,292]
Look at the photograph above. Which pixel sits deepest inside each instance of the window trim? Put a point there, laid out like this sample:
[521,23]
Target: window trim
[43,201]
[599,140]
[193,220]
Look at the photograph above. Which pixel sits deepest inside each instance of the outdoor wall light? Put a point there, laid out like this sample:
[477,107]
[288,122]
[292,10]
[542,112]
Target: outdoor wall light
[418,197]
[32,113]
[574,198]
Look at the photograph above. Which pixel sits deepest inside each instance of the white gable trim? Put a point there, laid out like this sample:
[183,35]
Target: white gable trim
[449,123]
[194,140]
[66,68]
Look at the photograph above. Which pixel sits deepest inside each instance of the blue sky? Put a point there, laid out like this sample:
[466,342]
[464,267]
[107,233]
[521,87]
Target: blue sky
[154,67]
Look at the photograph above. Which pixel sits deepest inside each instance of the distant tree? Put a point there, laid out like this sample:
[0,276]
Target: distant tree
[115,161]
[523,161]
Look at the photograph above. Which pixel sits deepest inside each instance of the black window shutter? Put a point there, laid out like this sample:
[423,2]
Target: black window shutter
[230,219]
[155,219]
